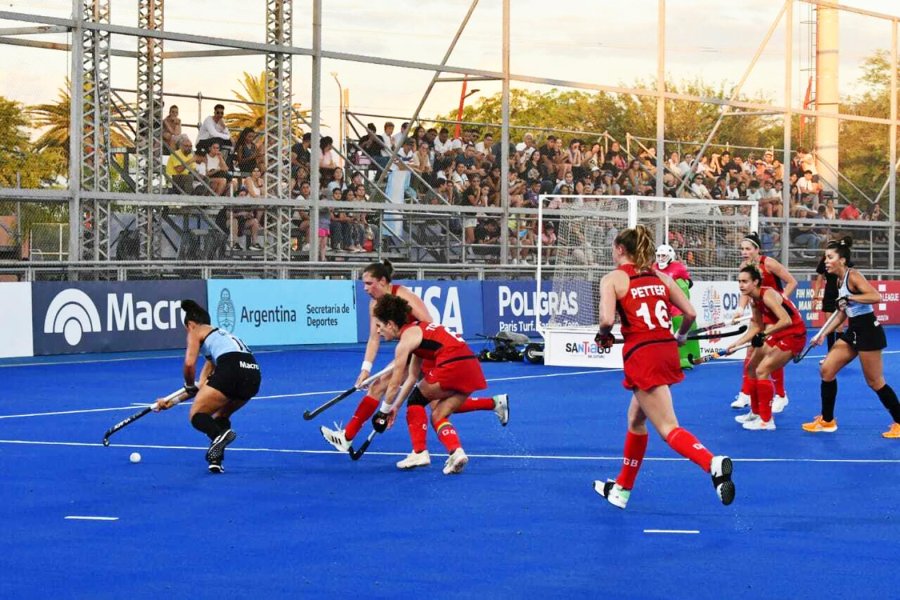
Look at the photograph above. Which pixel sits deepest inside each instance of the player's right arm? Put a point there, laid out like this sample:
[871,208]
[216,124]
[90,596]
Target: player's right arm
[409,341]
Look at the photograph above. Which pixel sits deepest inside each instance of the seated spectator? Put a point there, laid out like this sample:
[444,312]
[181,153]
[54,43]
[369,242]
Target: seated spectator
[874,213]
[244,222]
[327,161]
[255,184]
[171,131]
[217,170]
[300,154]
[178,166]
[368,143]
[337,180]
[487,233]
[548,241]
[770,203]
[214,130]
[850,212]
[830,212]
[699,189]
[246,154]
[339,227]
[200,181]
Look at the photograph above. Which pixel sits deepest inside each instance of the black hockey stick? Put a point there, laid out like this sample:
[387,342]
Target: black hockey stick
[818,336]
[175,397]
[357,454]
[712,336]
[722,325]
[312,414]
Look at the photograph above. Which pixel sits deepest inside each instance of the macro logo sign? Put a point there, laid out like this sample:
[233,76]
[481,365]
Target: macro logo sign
[110,316]
[225,313]
[72,313]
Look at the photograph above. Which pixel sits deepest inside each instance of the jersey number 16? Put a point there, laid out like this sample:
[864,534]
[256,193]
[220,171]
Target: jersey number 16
[661,312]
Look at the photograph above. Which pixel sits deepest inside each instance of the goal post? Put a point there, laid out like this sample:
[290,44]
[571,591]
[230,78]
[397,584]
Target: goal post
[574,248]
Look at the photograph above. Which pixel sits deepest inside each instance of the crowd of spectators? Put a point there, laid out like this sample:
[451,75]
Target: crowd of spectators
[464,170]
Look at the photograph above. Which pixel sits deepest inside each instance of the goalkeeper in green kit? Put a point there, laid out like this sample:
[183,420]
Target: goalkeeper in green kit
[666,263]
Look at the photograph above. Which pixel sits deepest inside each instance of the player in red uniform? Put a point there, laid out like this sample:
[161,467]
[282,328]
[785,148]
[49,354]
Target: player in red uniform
[777,333]
[642,297]
[773,275]
[377,282]
[453,372]
[666,263]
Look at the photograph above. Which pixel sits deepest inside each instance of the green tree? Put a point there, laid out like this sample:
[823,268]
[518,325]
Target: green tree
[53,118]
[21,164]
[252,96]
[624,114]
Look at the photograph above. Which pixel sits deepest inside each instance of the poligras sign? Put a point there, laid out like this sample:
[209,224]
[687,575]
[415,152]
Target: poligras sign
[69,317]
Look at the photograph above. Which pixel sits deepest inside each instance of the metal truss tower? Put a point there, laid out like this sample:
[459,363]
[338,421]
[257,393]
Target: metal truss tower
[148,141]
[95,66]
[279,28]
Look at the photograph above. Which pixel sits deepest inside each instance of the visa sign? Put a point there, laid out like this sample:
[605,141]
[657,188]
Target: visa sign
[453,304]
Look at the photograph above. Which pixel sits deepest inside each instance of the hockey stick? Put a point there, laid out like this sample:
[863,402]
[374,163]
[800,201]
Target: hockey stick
[174,397]
[705,359]
[818,336]
[312,414]
[711,336]
[357,454]
[722,325]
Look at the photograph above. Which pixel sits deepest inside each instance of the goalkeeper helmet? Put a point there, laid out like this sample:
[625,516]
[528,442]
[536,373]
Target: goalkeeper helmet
[664,255]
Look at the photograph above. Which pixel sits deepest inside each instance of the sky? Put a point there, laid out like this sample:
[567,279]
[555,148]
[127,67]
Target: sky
[594,41]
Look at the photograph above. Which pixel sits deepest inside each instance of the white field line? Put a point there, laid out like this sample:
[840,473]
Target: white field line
[89,518]
[862,461]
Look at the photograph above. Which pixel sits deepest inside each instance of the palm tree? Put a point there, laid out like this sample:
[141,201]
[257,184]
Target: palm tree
[54,117]
[253,98]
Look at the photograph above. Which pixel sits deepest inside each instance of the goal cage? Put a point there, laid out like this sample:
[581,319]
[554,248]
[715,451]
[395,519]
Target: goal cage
[574,248]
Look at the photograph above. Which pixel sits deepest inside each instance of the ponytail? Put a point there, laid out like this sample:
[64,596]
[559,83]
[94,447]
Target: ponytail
[639,246]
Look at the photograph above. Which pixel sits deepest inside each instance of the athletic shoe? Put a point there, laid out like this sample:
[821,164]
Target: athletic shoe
[742,400]
[720,468]
[779,402]
[501,408]
[760,425]
[614,493]
[456,462]
[216,451]
[892,433]
[415,459]
[216,467]
[750,416]
[336,437]
[820,425]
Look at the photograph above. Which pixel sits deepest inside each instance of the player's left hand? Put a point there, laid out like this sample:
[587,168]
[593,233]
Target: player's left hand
[162,404]
[842,302]
[681,338]
[605,340]
[757,340]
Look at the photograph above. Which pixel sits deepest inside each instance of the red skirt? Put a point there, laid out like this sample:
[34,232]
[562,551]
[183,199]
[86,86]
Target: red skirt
[651,363]
[462,374]
[790,340]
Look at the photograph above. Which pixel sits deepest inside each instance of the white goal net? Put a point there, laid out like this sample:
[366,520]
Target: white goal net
[575,251]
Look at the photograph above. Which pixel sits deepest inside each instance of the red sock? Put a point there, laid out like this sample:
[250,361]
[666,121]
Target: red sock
[363,413]
[754,397]
[417,421]
[447,435]
[747,382]
[476,404]
[764,391]
[635,446]
[684,443]
[778,380]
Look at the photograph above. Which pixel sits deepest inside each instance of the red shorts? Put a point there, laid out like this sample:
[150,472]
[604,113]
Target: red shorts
[653,364]
[789,341]
[461,374]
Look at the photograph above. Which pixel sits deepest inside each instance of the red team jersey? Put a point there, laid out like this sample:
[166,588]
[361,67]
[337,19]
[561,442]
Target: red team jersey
[650,352]
[793,338]
[446,359]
